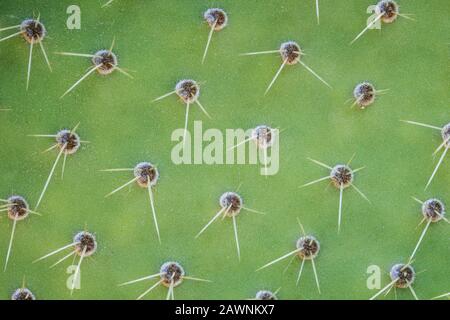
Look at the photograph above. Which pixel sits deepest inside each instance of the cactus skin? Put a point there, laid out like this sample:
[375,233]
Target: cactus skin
[164,42]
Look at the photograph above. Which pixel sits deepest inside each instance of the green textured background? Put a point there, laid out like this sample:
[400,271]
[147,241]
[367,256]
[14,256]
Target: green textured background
[163,42]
